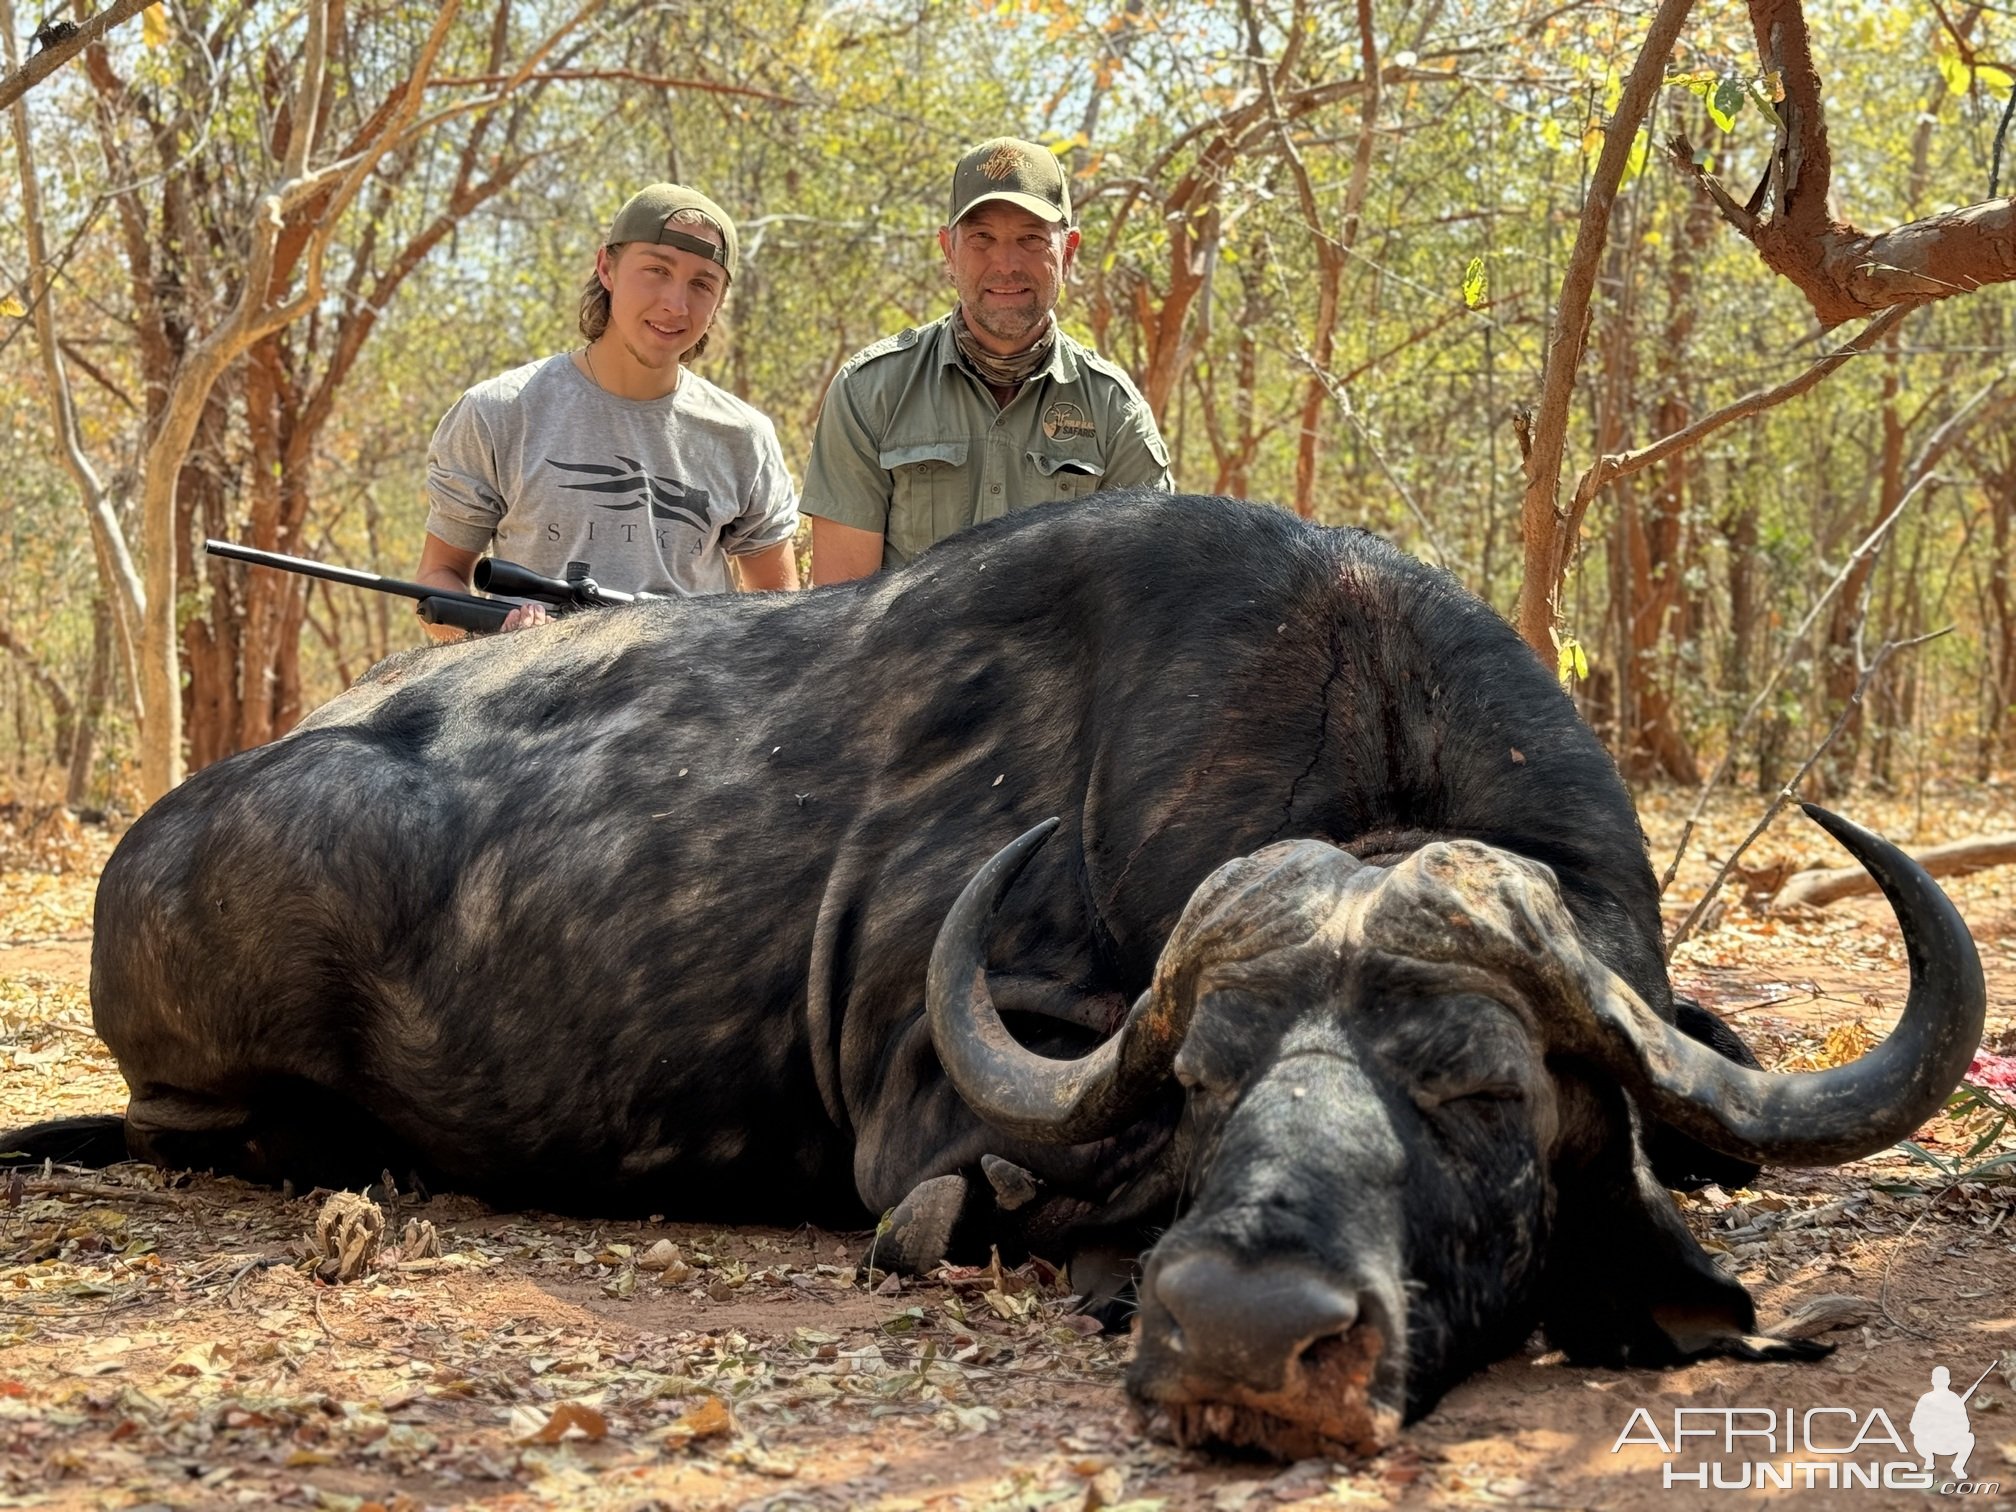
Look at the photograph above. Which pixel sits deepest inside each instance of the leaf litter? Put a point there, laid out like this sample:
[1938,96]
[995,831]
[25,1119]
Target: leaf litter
[177,1340]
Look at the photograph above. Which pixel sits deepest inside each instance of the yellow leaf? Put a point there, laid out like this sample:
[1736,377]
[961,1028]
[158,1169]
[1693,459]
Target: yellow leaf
[12,307]
[154,26]
[710,1419]
[1957,74]
[1474,283]
[570,1418]
[1572,662]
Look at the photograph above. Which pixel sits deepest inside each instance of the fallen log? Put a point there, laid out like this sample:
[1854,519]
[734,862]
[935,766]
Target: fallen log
[1954,859]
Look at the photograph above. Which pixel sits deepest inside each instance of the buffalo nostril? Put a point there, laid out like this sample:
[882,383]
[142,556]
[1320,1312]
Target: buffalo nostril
[1248,1323]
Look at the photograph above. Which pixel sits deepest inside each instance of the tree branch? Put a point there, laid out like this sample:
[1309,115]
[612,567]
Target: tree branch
[56,54]
[1549,538]
[109,546]
[1846,273]
[1789,792]
[623,75]
[1608,469]
[1936,446]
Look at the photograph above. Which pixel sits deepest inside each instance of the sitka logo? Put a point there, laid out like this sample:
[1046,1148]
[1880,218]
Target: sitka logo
[668,498]
[1819,1449]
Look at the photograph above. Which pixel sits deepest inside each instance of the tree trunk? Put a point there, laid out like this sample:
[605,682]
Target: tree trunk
[1839,670]
[97,692]
[62,708]
[1659,606]
[1997,738]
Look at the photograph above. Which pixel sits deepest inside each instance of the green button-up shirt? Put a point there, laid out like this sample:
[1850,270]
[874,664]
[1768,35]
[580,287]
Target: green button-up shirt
[912,444]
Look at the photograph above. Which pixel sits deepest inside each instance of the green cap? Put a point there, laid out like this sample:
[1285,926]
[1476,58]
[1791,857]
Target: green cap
[647,215]
[1011,169]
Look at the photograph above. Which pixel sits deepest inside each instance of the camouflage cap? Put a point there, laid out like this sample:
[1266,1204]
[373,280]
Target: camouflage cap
[647,215]
[1010,169]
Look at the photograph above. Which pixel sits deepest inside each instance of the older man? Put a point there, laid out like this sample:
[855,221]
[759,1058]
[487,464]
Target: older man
[991,408]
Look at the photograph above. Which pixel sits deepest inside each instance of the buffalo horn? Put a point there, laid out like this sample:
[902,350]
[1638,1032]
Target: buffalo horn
[1846,1112]
[1012,1087]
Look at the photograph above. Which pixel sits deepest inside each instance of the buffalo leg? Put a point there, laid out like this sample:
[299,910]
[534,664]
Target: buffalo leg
[95,1140]
[302,1134]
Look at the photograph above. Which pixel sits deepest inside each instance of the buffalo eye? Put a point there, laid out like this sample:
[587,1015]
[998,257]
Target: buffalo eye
[1435,1091]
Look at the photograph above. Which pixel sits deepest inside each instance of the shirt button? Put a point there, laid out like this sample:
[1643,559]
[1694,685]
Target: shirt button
[994,488]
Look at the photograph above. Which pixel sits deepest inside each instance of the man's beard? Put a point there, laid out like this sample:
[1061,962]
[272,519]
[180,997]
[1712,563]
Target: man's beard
[1021,326]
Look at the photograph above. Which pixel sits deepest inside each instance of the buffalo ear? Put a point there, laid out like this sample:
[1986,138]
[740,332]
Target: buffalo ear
[1627,1284]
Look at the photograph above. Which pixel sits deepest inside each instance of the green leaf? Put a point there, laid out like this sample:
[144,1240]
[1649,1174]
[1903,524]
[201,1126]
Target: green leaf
[1920,1153]
[1641,147]
[1726,101]
[1760,96]
[1988,1139]
[1474,284]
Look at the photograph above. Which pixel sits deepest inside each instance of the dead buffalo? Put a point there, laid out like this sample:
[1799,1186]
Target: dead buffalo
[1340,969]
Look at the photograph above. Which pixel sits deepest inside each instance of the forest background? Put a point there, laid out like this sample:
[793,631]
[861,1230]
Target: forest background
[1484,277]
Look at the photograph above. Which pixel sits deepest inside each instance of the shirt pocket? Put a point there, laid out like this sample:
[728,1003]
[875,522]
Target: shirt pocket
[928,496]
[1064,477]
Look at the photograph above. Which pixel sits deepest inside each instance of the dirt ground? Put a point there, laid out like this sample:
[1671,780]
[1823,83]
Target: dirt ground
[167,1341]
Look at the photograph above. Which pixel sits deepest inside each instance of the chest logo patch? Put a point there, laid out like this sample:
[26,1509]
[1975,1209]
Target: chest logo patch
[1066,422]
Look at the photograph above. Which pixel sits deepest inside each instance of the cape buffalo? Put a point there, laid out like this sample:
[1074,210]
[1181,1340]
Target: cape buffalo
[635,912]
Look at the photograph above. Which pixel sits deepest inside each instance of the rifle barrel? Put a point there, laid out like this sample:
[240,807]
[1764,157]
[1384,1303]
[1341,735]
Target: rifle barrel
[348,575]
[1977,1384]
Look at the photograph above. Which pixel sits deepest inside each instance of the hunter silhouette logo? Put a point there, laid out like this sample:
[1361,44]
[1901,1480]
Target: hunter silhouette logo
[1939,1425]
[668,498]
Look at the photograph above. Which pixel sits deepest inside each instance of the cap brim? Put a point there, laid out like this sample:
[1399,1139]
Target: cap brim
[1041,208]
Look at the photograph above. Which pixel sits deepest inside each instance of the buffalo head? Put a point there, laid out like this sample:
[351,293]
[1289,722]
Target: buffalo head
[1411,1129]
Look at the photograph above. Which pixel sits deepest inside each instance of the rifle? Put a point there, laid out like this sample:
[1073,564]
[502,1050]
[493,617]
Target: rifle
[441,606]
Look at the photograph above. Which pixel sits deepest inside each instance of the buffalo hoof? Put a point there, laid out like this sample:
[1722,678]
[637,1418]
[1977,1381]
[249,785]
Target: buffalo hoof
[1013,1186]
[920,1229]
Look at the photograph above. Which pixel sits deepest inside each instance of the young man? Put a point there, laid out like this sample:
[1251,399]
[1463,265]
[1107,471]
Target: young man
[990,409]
[616,454]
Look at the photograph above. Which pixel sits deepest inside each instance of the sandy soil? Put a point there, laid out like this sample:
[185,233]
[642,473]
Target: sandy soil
[165,1340]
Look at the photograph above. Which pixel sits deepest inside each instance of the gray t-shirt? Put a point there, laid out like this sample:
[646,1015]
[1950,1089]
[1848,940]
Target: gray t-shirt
[655,495]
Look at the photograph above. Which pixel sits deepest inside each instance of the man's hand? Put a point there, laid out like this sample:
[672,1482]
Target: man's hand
[449,568]
[524,616]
